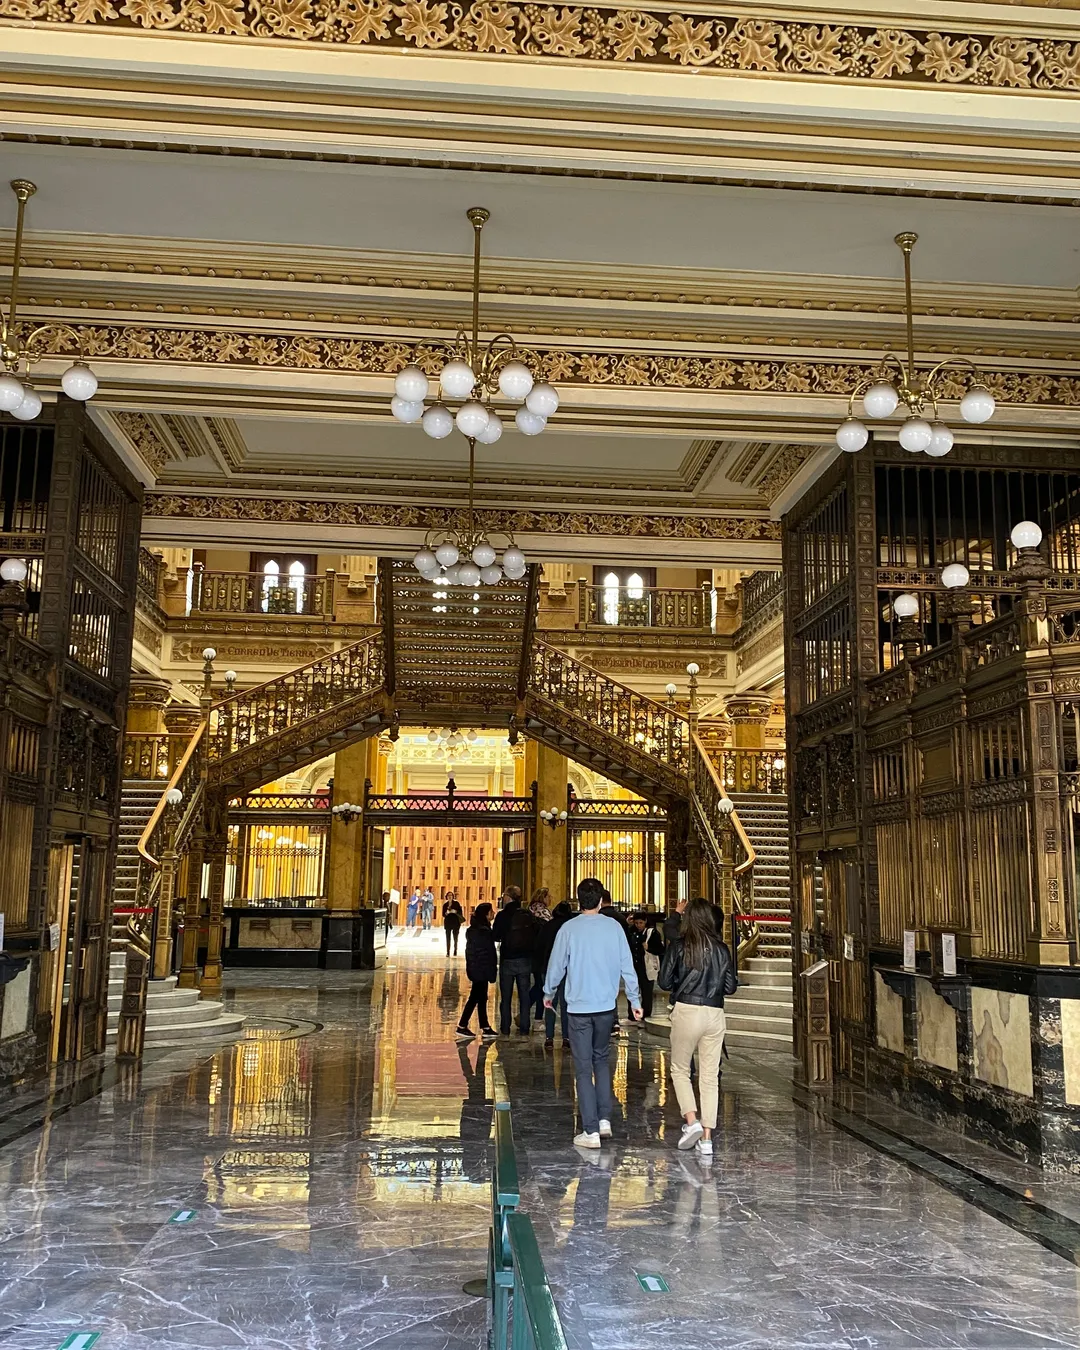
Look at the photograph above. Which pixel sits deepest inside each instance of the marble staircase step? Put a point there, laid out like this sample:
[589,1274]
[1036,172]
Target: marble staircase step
[764,993]
[764,979]
[763,963]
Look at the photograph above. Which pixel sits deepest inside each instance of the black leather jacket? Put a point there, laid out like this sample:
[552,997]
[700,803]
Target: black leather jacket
[706,988]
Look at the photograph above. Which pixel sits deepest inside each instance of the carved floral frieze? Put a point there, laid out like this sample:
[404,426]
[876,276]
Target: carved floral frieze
[263,510]
[608,34]
[560,365]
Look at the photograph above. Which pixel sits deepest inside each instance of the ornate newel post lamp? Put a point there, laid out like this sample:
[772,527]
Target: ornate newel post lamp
[957,608]
[905,610]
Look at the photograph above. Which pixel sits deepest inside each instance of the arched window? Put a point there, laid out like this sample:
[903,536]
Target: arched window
[271,576]
[611,597]
[297,576]
[635,586]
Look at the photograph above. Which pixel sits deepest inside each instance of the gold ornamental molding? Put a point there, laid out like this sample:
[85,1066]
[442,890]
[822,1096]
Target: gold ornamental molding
[384,515]
[563,366]
[655,36]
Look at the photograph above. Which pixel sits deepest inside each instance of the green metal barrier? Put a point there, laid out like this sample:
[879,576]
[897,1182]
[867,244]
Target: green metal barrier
[523,1314]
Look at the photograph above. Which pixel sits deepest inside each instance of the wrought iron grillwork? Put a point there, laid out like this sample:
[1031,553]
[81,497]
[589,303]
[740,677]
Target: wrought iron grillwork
[91,631]
[639,722]
[282,704]
[276,861]
[151,755]
[630,863]
[26,455]
[100,517]
[758,590]
[751,770]
[455,807]
[825,548]
[633,815]
[280,803]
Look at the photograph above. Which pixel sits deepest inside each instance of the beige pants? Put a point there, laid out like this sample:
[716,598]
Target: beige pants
[699,1031]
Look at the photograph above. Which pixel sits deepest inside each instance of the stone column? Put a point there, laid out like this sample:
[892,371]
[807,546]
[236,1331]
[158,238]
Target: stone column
[353,767]
[547,768]
[748,713]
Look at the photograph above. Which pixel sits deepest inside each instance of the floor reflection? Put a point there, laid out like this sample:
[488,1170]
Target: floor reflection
[340,1181]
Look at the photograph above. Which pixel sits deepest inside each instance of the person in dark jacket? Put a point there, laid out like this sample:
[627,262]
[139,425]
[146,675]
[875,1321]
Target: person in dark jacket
[453,916]
[646,947]
[482,969]
[673,922]
[697,969]
[516,931]
[548,932]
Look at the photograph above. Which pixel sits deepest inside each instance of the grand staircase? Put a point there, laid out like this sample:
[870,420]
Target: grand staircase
[173,1016]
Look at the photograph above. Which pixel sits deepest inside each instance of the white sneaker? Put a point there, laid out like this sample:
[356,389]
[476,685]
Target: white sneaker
[704,1148]
[605,1129]
[585,1140]
[691,1134]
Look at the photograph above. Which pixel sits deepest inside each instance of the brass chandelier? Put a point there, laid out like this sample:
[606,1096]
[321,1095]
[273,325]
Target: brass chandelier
[18,352]
[477,374]
[897,380]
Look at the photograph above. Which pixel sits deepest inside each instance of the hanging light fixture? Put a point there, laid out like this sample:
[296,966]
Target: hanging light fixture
[474,376]
[922,429]
[18,353]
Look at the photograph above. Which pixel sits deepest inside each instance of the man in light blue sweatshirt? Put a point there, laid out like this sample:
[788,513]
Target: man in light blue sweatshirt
[593,955]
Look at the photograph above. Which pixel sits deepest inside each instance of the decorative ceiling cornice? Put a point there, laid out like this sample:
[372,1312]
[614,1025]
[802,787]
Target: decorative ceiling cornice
[716,39]
[1047,384]
[385,515]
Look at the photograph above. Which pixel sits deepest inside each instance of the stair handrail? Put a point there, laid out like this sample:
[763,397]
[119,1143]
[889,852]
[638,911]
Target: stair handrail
[674,743]
[707,791]
[187,773]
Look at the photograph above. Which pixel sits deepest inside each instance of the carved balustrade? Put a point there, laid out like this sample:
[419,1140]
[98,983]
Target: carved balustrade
[751,770]
[153,755]
[246,719]
[649,607]
[640,723]
[213,592]
[726,841]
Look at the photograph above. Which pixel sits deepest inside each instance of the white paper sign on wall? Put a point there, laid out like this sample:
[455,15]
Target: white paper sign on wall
[948,953]
[909,949]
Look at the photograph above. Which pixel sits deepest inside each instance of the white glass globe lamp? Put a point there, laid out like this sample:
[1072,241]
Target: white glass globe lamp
[493,430]
[726,805]
[1026,535]
[977,405]
[515,381]
[880,400]
[471,419]
[491,576]
[12,393]
[452,575]
[426,562]
[433,737]
[851,435]
[905,606]
[29,408]
[407,410]
[411,385]
[483,555]
[954,576]
[529,423]
[79,382]
[468,574]
[447,554]
[437,422]
[542,400]
[941,440]
[916,434]
[13,569]
[209,653]
[513,560]
[457,379]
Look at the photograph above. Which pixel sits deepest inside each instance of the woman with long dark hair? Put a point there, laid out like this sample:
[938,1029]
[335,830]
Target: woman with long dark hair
[697,970]
[482,968]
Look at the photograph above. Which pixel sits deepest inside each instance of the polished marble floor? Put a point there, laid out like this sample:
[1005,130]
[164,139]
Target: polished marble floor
[335,1167]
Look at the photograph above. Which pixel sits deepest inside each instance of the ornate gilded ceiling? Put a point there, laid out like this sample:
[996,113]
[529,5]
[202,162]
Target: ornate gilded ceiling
[252,212]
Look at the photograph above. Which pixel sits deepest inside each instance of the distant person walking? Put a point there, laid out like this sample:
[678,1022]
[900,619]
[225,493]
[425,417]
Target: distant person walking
[538,908]
[427,908]
[515,930]
[453,916]
[482,969]
[697,969]
[593,956]
[412,909]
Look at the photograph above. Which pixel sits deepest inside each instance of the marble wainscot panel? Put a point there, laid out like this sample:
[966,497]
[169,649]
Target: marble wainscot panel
[1001,1034]
[1070,1049]
[286,934]
[935,1028]
[890,1016]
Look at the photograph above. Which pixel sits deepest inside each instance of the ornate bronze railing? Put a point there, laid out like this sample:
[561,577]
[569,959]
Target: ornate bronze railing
[648,607]
[642,724]
[993,642]
[245,719]
[148,578]
[153,755]
[450,804]
[279,803]
[707,791]
[752,770]
[187,777]
[758,590]
[625,812]
[255,593]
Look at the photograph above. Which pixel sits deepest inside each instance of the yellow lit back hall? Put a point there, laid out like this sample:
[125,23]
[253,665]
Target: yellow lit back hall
[539,676]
